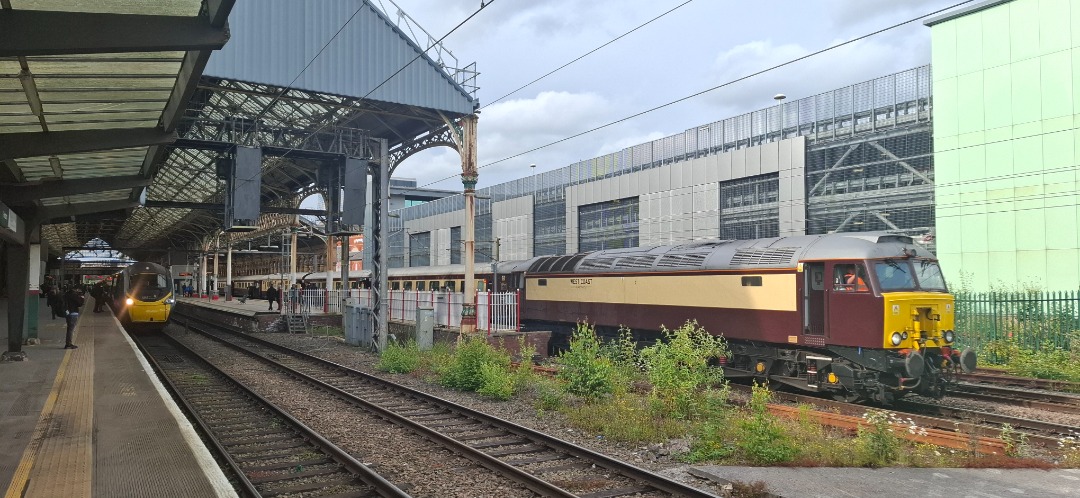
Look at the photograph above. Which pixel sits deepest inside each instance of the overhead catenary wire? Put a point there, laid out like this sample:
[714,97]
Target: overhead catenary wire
[707,90]
[586,54]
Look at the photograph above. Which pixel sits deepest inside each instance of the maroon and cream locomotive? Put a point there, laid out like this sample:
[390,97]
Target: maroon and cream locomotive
[861,316]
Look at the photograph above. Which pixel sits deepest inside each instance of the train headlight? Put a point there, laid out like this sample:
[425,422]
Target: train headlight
[170,301]
[949,336]
[130,301]
[896,338]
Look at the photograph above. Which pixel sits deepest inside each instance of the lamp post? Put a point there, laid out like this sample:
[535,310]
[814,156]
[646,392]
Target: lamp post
[779,98]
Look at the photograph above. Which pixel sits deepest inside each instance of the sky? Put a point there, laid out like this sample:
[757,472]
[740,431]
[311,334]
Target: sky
[697,46]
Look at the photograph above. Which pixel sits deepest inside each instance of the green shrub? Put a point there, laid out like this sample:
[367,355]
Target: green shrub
[497,382]
[548,395]
[464,370]
[678,368]
[878,440]
[626,418]
[583,370]
[760,439]
[400,358]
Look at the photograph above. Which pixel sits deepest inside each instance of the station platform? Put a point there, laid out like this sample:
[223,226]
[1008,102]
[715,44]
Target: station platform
[249,307]
[95,421]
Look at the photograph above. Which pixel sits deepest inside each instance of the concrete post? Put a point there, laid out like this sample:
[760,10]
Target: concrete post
[228,273]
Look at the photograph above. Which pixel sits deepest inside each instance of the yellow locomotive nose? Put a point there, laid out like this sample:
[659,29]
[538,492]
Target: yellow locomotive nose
[917,320]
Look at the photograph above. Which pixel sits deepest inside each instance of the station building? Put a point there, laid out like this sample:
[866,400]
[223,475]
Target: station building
[1007,104]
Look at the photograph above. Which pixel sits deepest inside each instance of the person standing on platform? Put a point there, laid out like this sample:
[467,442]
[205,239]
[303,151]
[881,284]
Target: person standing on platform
[73,300]
[98,293]
[55,300]
[273,295]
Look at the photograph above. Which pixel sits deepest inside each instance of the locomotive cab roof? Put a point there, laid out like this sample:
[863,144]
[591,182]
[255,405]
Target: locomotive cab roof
[776,252]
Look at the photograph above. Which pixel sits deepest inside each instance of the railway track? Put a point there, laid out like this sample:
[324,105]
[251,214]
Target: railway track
[930,416]
[542,463]
[1042,400]
[268,452]
[1001,378]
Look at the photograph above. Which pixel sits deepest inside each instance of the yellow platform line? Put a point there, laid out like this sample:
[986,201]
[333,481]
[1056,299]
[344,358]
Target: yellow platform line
[51,434]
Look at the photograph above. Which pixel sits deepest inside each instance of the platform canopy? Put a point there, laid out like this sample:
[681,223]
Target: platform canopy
[90,92]
[255,92]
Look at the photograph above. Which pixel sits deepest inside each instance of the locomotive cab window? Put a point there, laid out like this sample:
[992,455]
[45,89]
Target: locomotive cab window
[751,281]
[850,278]
[542,282]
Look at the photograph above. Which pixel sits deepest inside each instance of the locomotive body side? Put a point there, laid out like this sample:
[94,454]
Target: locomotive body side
[860,316]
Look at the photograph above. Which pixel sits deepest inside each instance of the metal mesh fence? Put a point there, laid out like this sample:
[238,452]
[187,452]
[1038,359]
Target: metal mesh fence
[608,225]
[420,249]
[748,207]
[872,184]
[549,227]
[455,245]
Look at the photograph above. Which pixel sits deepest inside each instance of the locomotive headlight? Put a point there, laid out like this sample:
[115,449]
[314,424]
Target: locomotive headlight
[130,301]
[896,338]
[949,336]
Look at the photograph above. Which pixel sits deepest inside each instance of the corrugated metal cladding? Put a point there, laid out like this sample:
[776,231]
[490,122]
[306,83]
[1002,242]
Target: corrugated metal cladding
[272,40]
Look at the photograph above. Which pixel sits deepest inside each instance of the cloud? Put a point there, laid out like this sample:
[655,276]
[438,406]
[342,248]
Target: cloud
[843,13]
[828,71]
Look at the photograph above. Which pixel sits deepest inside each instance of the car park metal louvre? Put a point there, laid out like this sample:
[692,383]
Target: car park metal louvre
[608,225]
[894,104]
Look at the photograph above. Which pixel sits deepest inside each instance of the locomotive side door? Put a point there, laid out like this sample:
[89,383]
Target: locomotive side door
[814,299]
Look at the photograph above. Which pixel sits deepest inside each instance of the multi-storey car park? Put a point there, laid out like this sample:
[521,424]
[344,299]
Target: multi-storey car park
[854,159]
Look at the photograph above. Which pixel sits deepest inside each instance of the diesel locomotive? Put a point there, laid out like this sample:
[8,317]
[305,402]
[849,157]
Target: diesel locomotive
[859,316]
[142,295]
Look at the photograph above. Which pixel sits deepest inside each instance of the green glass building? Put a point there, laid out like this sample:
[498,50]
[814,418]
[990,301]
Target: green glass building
[1006,86]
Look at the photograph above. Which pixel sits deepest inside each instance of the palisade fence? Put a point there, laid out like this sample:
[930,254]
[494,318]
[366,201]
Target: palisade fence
[495,312]
[1033,319]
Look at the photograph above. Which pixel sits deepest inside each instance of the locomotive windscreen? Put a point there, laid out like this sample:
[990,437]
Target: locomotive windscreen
[149,286]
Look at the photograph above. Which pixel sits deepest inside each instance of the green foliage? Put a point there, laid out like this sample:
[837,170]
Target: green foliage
[1046,362]
[548,395]
[878,439]
[713,440]
[497,381]
[464,370]
[399,358]
[626,418]
[761,440]
[1015,441]
[583,370]
[678,368]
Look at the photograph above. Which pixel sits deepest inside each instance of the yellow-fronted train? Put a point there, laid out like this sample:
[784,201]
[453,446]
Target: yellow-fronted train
[142,295]
[860,316]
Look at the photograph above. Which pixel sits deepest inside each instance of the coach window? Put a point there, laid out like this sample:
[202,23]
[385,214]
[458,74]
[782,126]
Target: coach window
[433,285]
[420,285]
[850,278]
[407,285]
[451,286]
[395,285]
